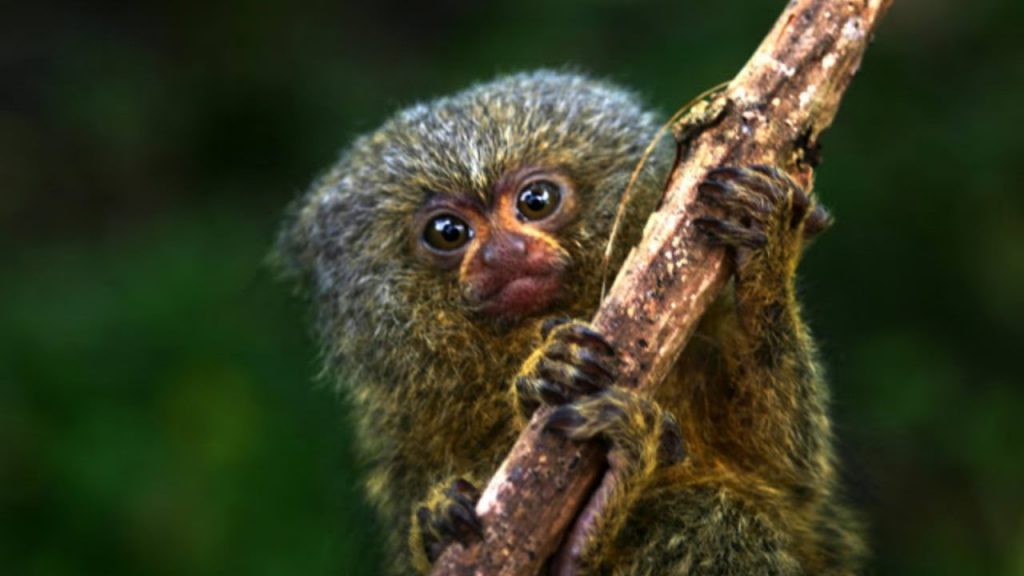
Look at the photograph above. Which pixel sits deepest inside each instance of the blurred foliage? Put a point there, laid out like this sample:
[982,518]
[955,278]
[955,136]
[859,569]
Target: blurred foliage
[158,406]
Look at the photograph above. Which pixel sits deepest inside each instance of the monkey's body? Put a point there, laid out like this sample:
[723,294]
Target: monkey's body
[437,339]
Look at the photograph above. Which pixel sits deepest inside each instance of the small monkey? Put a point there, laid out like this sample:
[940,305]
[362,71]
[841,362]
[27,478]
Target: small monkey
[452,255]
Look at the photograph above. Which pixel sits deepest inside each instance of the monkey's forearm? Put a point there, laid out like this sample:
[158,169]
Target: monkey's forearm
[775,402]
[767,403]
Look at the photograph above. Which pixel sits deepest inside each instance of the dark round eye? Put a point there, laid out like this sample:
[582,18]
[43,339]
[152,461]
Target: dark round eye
[447,233]
[538,199]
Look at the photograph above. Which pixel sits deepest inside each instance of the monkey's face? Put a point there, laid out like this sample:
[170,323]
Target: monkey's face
[507,253]
[474,215]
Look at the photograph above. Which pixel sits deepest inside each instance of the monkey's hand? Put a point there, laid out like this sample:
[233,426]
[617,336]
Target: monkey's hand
[575,369]
[448,515]
[763,218]
[574,360]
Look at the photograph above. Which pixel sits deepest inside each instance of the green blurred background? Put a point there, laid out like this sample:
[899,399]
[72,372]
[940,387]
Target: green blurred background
[158,406]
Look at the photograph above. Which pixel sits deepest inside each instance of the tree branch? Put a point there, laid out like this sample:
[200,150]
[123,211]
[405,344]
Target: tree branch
[771,113]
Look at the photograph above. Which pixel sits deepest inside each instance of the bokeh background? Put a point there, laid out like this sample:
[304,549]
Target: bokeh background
[159,411]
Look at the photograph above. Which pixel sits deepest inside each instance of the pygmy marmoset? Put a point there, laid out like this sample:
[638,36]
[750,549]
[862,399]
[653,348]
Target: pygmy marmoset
[443,254]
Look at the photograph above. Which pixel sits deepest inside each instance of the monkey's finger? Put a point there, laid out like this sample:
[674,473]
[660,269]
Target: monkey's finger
[817,222]
[582,334]
[435,549]
[670,447]
[449,526]
[555,383]
[724,173]
[770,172]
[551,393]
[589,418]
[570,377]
[758,180]
[559,350]
[424,516]
[434,537]
[778,184]
[784,188]
[761,178]
[588,357]
[719,232]
[725,195]
[593,365]
[464,521]
[551,323]
[753,181]
[528,394]
[563,420]
[464,492]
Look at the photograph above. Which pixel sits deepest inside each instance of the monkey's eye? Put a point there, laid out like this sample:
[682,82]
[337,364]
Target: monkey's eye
[538,199]
[447,233]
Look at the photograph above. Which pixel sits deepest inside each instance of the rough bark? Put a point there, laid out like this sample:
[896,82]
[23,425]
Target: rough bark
[772,112]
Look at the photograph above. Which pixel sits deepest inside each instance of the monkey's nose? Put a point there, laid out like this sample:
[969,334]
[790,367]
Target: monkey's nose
[504,249]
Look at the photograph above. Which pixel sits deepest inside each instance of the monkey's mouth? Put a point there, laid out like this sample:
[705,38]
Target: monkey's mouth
[522,296]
